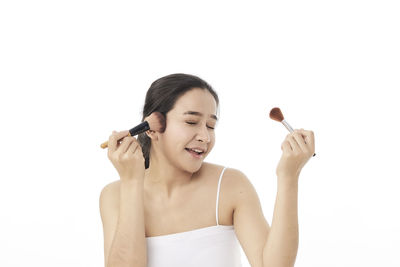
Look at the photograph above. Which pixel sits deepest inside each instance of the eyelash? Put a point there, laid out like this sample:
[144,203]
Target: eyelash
[191,123]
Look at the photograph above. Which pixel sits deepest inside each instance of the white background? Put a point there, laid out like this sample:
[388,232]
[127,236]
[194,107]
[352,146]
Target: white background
[73,71]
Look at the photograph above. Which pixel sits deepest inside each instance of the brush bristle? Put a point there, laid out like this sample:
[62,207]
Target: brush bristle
[276,114]
[156,122]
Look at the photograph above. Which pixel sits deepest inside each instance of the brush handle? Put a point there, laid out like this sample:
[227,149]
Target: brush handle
[142,127]
[286,124]
[105,144]
[290,129]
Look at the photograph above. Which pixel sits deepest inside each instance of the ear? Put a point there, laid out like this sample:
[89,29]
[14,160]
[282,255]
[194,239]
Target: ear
[152,134]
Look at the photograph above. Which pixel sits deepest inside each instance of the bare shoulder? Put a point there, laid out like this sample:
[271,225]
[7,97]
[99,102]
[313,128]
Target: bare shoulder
[237,177]
[233,178]
[111,187]
[110,192]
[237,184]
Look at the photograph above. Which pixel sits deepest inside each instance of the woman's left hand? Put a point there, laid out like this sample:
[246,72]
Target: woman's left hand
[298,147]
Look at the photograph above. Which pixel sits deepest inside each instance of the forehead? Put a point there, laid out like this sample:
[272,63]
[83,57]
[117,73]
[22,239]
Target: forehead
[199,100]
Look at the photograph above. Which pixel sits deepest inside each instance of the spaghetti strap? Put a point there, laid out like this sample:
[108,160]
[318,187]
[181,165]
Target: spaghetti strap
[219,185]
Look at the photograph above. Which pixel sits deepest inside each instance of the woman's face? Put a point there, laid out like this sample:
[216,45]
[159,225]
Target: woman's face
[186,130]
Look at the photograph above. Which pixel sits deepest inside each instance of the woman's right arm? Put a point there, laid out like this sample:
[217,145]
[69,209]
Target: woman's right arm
[122,206]
[122,213]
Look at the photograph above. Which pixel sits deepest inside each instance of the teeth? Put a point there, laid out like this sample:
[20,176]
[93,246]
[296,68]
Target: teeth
[196,150]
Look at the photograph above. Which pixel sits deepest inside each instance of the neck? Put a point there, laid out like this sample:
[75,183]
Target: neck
[164,180]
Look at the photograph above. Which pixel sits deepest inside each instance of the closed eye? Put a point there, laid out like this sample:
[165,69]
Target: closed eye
[188,122]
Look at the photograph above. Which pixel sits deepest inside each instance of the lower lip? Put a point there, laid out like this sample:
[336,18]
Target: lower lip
[195,155]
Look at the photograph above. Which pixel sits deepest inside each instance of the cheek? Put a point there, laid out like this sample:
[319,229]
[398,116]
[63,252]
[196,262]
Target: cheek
[176,138]
[181,132]
[212,143]
[172,130]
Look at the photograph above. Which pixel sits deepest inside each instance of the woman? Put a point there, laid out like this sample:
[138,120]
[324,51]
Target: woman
[170,208]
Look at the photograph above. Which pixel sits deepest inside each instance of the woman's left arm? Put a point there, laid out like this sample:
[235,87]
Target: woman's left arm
[282,243]
[283,239]
[263,245]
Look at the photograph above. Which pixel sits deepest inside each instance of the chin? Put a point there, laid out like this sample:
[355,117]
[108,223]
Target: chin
[194,167]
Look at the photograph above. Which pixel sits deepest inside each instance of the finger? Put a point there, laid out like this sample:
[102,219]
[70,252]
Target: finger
[286,147]
[309,138]
[300,140]
[113,139]
[307,134]
[133,147]
[126,142]
[122,135]
[293,143]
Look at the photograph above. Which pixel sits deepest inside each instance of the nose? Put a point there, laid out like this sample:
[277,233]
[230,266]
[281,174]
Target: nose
[203,135]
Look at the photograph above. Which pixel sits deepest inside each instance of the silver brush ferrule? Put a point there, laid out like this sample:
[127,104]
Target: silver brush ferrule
[287,126]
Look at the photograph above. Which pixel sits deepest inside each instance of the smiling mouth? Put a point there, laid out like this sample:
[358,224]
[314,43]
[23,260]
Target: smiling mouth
[194,152]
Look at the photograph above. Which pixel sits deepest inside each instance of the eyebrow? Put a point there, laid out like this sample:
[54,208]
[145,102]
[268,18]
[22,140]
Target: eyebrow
[196,113]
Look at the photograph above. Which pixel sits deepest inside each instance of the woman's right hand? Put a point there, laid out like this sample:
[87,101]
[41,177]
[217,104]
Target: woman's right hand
[126,156]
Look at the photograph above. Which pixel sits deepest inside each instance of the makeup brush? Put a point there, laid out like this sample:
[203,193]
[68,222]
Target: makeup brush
[276,115]
[155,122]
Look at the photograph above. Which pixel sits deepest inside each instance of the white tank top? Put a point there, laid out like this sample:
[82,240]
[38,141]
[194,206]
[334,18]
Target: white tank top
[212,246]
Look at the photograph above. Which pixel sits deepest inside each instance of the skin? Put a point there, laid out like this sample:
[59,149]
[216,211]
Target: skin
[194,208]
[172,168]
[180,191]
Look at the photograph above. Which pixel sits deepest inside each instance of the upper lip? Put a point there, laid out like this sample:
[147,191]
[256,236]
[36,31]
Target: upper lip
[199,148]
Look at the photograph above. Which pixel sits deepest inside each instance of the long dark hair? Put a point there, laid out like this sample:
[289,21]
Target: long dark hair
[161,97]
